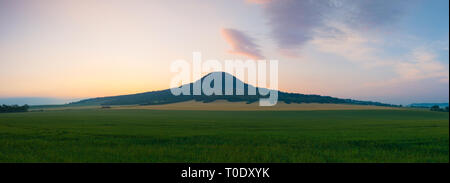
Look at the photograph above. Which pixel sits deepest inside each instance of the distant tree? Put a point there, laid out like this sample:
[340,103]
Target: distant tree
[446,109]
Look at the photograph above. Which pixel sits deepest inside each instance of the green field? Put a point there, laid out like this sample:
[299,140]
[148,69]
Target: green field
[139,135]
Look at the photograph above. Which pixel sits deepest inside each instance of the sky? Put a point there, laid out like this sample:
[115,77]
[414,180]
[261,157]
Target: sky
[392,51]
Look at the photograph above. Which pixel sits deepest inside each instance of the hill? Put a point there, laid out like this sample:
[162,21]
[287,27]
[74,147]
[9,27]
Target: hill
[166,97]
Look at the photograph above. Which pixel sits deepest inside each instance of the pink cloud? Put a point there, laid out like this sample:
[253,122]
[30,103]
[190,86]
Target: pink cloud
[241,44]
[259,1]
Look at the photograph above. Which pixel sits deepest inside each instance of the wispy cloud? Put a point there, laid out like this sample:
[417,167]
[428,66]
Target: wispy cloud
[258,1]
[294,22]
[350,29]
[241,44]
[422,64]
[418,63]
[343,41]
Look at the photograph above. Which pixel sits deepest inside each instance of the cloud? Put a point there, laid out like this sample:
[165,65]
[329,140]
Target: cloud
[421,65]
[258,1]
[345,39]
[418,63]
[364,33]
[241,44]
[350,29]
[294,22]
[346,43]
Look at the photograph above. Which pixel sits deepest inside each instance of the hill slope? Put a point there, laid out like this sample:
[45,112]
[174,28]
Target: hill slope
[166,97]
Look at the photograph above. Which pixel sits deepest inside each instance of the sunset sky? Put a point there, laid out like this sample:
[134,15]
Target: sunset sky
[394,51]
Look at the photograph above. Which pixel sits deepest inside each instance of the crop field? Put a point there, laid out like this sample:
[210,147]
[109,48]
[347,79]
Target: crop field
[242,106]
[146,135]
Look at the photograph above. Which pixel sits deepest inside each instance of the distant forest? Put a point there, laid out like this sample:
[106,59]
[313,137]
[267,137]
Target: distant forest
[13,108]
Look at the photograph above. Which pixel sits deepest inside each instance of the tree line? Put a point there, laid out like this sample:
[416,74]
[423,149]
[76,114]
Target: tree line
[13,108]
[437,108]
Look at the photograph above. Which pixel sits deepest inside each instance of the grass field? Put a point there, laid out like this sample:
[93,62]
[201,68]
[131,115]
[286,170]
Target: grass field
[221,105]
[142,135]
[242,106]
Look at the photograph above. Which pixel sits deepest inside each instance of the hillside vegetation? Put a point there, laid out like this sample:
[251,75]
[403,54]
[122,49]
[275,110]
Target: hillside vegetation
[166,97]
